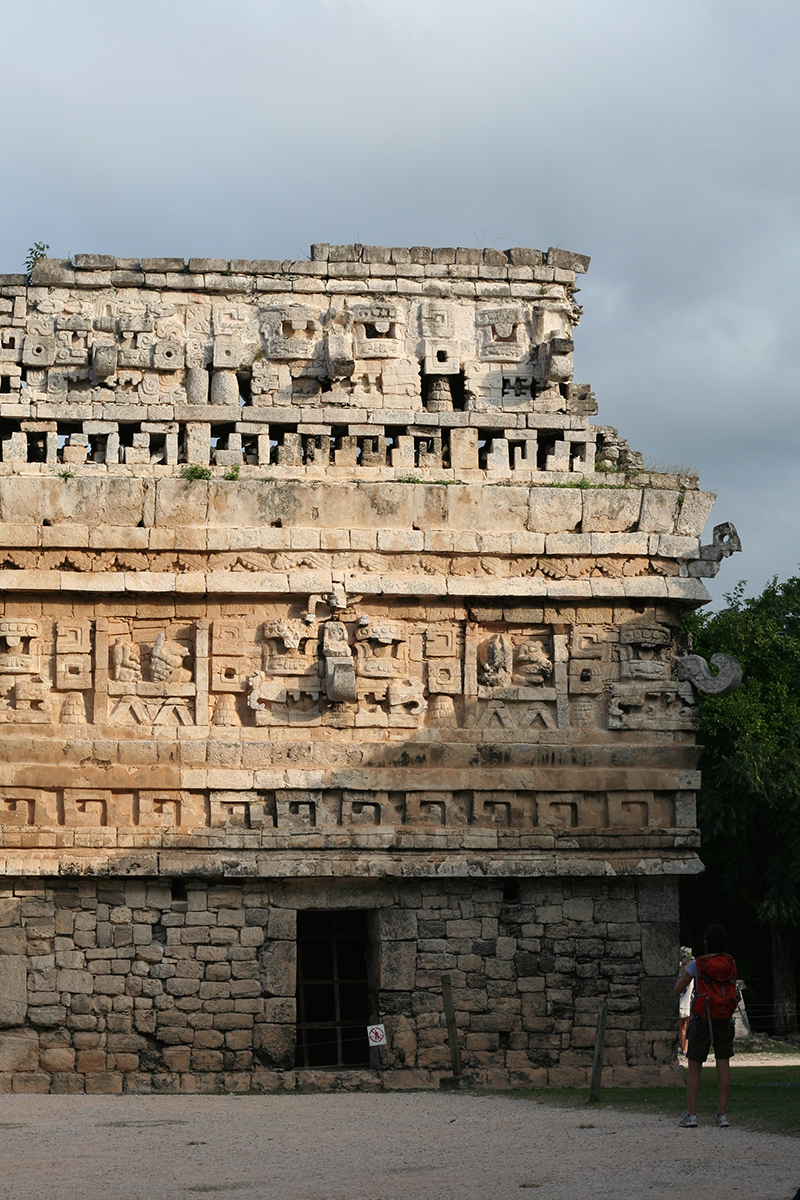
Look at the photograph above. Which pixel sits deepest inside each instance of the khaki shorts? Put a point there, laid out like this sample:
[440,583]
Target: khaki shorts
[699,1039]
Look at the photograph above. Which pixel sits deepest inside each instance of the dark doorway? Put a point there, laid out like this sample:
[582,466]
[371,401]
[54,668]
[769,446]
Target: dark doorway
[332,990]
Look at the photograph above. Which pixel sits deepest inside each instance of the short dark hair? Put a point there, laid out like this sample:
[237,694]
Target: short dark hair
[716,939]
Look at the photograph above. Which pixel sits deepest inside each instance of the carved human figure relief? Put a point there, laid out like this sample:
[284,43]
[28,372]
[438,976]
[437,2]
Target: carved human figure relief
[495,659]
[126,661]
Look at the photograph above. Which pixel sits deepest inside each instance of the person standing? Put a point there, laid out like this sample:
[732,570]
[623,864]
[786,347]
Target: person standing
[713,975]
[685,1003]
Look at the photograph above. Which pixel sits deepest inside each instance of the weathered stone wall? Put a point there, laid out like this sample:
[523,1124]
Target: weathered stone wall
[319,587]
[130,990]
[515,764]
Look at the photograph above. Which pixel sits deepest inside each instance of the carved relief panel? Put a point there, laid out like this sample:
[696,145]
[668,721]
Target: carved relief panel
[379,330]
[151,672]
[517,677]
[317,662]
[503,334]
[25,696]
[347,667]
[287,684]
[444,655]
[291,811]
[96,808]
[389,673]
[645,652]
[73,655]
[292,331]
[655,707]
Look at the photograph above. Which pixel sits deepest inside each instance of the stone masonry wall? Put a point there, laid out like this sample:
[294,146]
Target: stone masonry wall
[115,986]
[319,589]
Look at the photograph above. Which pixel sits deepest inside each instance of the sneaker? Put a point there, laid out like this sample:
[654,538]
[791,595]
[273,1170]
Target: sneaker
[722,1121]
[688,1121]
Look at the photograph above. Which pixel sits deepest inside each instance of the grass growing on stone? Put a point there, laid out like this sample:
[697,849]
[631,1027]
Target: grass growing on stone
[766,1099]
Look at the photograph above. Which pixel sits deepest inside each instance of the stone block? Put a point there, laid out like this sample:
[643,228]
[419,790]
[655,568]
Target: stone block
[57,1059]
[567,260]
[568,543]
[278,967]
[464,449]
[695,510]
[398,966]
[554,511]
[621,543]
[279,1010]
[52,272]
[274,1046]
[659,510]
[66,1084]
[658,1004]
[159,265]
[76,982]
[611,510]
[19,1050]
[177,1058]
[659,947]
[31,1082]
[658,900]
[181,502]
[13,990]
[395,925]
[678,547]
[104,1083]
[13,940]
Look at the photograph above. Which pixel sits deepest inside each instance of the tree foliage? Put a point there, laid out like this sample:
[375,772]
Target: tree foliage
[38,250]
[749,805]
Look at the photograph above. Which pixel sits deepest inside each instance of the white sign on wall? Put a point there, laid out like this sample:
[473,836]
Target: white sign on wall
[376,1035]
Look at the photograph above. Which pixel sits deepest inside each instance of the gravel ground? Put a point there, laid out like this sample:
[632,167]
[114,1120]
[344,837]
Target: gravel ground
[754,1058]
[372,1147]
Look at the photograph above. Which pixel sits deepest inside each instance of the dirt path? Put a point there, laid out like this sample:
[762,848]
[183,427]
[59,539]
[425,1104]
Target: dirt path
[371,1147]
[753,1058]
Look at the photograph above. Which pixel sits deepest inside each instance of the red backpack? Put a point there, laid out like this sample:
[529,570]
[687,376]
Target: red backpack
[716,994]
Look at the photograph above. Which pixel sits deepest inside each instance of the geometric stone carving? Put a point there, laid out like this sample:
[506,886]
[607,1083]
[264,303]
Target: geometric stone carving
[19,643]
[444,676]
[73,672]
[32,701]
[73,637]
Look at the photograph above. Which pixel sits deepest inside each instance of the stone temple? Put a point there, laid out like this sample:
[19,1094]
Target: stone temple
[339,651]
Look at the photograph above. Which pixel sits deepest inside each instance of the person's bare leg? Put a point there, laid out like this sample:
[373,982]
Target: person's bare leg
[692,1086]
[682,1035]
[723,1083]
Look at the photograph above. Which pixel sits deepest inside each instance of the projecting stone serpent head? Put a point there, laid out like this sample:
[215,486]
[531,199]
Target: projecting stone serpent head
[694,669]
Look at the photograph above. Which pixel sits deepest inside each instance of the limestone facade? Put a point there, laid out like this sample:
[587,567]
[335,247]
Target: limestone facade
[321,594]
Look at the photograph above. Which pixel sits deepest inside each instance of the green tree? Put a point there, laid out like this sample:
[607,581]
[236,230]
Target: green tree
[749,804]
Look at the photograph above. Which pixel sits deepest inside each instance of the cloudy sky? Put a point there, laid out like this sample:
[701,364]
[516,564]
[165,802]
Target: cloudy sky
[660,138]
